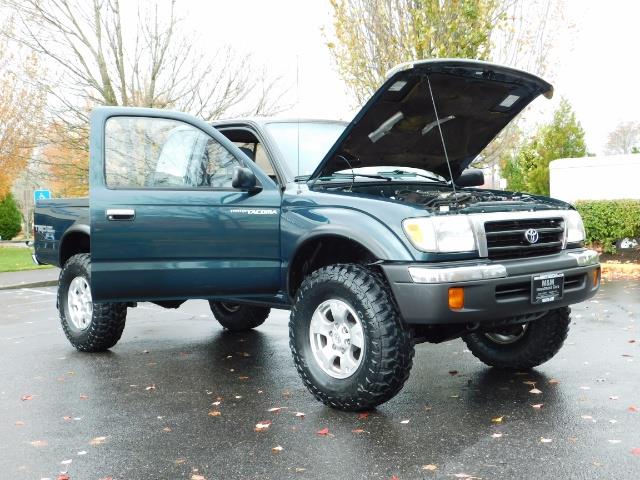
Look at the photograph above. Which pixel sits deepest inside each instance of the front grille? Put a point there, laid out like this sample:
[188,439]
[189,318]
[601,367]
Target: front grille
[506,238]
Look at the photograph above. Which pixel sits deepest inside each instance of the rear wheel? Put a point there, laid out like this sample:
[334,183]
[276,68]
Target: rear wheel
[524,346]
[349,343]
[89,326]
[238,318]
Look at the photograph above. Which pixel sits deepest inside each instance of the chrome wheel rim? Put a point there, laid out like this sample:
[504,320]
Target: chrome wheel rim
[337,338]
[506,339]
[79,303]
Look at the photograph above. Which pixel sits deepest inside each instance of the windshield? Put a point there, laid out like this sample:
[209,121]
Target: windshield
[311,139]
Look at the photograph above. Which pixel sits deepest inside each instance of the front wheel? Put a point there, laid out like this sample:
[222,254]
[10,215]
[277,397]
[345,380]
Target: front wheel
[349,343]
[521,347]
[89,326]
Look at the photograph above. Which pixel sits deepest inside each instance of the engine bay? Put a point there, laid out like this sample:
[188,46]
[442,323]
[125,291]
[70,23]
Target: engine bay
[440,198]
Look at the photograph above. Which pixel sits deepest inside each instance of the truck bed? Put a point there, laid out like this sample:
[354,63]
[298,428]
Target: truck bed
[52,219]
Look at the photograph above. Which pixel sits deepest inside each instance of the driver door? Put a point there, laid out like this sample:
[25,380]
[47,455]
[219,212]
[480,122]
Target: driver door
[165,221]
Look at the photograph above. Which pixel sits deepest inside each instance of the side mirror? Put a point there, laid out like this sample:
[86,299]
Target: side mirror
[470,178]
[245,179]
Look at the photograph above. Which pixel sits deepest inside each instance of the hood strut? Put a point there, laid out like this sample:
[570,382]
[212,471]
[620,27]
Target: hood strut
[444,145]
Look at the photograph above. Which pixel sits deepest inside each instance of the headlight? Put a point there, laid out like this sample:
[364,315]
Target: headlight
[575,227]
[440,234]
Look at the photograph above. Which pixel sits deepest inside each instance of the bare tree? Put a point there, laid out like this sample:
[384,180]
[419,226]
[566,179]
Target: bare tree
[625,138]
[21,108]
[108,52]
[153,63]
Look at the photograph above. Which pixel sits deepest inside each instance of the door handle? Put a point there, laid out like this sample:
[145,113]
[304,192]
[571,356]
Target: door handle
[116,214]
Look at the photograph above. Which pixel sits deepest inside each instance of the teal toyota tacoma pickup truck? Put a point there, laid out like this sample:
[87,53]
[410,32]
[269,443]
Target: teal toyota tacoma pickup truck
[373,233]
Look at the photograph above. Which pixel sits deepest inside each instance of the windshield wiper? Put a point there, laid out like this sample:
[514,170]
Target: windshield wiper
[354,175]
[404,173]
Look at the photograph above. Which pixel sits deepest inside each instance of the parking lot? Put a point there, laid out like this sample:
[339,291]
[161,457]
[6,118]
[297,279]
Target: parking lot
[180,398]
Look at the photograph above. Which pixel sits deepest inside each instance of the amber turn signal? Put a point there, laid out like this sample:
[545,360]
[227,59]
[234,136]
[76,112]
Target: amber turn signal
[456,298]
[596,277]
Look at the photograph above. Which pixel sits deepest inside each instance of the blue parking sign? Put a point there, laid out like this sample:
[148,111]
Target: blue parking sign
[41,195]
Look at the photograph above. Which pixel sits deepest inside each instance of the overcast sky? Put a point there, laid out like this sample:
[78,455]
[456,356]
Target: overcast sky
[598,68]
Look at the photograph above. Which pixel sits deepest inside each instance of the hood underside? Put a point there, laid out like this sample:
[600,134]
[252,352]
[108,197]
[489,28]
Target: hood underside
[398,126]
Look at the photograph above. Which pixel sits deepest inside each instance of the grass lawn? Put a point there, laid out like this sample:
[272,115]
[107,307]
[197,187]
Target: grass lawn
[14,259]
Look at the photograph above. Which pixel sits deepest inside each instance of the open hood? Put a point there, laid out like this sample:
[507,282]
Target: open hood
[474,100]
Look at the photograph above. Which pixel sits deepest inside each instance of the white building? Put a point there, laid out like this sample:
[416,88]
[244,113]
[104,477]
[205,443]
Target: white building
[609,177]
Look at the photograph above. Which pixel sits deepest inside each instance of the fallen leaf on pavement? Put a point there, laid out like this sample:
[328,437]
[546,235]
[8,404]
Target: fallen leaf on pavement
[67,418]
[357,430]
[538,405]
[25,398]
[324,431]
[274,409]
[394,477]
[98,441]
[84,397]
[633,409]
[453,373]
[166,429]
[300,414]
[535,391]
[497,419]
[151,387]
[19,423]
[214,413]
[553,381]
[430,467]
[243,377]
[635,451]
[39,443]
[262,426]
[277,449]
[196,476]
[363,415]
[63,476]
[545,440]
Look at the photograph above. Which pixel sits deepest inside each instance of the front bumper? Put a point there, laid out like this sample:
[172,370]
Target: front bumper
[492,290]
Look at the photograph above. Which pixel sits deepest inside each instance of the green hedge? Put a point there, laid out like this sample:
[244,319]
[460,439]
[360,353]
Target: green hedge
[609,220]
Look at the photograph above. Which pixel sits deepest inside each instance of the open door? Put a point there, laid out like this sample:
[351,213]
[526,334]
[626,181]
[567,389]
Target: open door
[166,222]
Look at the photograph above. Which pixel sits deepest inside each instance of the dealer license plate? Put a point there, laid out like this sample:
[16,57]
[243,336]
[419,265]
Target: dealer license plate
[547,288]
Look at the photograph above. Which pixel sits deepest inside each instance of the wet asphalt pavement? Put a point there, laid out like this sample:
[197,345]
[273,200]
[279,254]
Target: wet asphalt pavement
[146,409]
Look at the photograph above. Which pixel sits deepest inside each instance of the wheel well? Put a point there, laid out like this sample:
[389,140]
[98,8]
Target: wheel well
[72,244]
[322,251]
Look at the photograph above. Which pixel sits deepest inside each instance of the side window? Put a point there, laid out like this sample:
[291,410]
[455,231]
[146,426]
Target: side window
[259,155]
[144,152]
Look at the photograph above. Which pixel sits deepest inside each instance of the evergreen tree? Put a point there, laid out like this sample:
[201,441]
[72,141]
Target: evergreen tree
[528,169]
[10,218]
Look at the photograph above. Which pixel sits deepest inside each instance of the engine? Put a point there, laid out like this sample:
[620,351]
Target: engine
[441,199]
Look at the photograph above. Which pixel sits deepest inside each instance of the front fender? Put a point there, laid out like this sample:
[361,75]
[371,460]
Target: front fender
[300,225]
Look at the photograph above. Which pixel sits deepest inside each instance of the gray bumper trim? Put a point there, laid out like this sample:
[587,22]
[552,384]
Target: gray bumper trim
[490,299]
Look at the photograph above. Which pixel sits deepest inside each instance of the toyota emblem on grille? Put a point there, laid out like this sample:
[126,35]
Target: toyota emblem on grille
[532,235]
